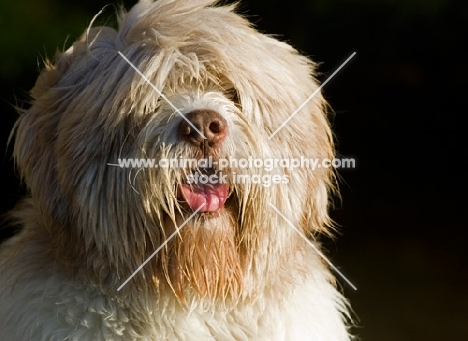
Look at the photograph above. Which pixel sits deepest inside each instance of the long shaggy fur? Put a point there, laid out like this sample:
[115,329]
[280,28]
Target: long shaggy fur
[240,274]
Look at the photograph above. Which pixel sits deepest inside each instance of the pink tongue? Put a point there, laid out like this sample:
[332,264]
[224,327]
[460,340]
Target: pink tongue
[213,196]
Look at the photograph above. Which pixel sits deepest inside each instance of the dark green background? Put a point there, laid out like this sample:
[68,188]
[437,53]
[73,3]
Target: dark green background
[400,111]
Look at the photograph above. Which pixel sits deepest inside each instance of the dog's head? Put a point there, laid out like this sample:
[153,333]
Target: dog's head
[208,86]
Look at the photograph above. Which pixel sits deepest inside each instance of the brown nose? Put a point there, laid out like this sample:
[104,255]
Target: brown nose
[208,122]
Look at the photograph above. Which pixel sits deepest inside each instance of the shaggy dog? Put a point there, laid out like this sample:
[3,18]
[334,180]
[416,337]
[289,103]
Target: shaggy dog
[230,265]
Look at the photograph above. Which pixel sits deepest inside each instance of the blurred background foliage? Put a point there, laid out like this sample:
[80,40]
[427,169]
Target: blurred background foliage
[399,110]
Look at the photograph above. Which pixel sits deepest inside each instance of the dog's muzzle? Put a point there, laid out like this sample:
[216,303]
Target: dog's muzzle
[206,196]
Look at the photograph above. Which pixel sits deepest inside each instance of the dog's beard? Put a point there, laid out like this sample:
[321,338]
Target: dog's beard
[204,255]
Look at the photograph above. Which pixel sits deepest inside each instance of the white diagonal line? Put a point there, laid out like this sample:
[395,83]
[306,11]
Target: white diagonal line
[160,247]
[314,247]
[311,96]
[161,94]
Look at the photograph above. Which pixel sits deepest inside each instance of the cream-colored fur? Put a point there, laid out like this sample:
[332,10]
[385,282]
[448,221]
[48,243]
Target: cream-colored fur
[240,274]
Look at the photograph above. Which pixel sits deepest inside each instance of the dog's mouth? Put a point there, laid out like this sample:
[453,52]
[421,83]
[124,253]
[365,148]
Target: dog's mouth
[204,192]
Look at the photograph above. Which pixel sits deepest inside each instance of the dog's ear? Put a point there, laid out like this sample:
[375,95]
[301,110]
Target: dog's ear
[36,132]
[76,125]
